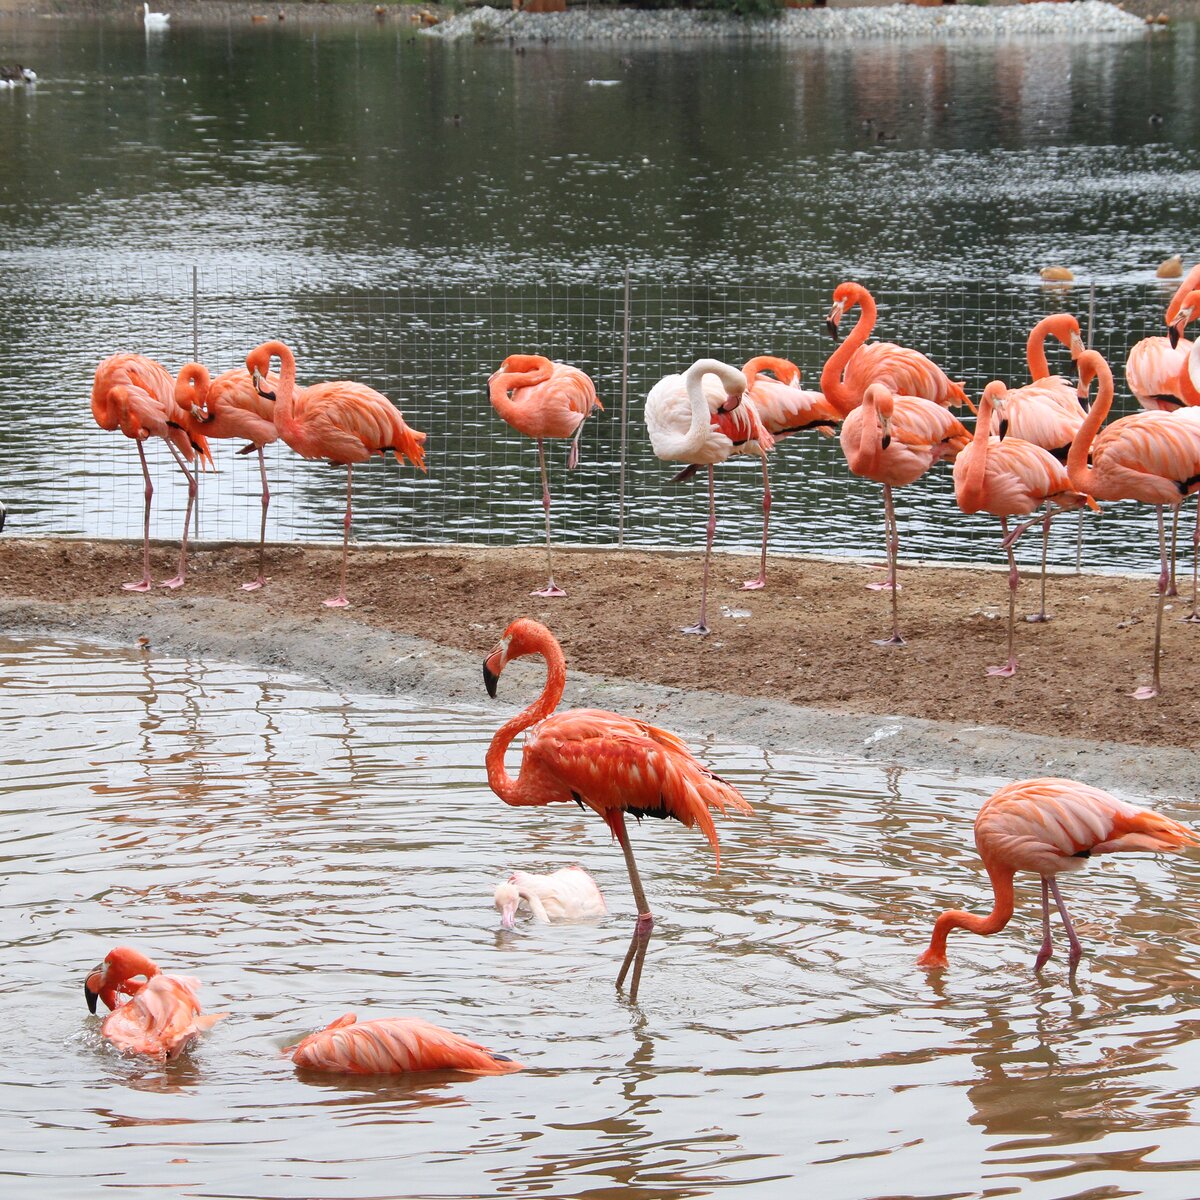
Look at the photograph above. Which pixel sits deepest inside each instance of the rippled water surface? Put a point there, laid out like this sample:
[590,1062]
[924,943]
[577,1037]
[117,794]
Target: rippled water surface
[306,853]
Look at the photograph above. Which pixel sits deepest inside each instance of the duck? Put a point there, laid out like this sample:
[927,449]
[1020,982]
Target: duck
[155,20]
[16,76]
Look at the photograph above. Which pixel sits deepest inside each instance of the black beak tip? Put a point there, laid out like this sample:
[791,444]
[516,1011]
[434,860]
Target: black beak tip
[90,997]
[886,441]
[1173,336]
[490,680]
[1003,428]
[832,329]
[265,395]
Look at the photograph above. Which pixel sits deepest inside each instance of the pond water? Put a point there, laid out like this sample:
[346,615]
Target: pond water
[306,853]
[407,213]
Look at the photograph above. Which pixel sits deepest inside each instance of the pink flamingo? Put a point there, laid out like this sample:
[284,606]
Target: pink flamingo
[342,422]
[542,399]
[784,408]
[136,395]
[569,894]
[161,1016]
[1049,826]
[602,761]
[1009,477]
[392,1045]
[230,406]
[696,419]
[1153,365]
[894,440]
[1149,456]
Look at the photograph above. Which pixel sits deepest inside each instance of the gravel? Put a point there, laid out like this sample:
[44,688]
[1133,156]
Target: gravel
[1083,18]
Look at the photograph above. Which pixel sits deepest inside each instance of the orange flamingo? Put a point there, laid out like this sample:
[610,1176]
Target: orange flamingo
[904,372]
[391,1045]
[1009,477]
[230,406]
[784,408]
[161,1016]
[602,761]
[1153,365]
[342,422]
[136,395]
[1149,456]
[700,418]
[542,399]
[895,440]
[1049,826]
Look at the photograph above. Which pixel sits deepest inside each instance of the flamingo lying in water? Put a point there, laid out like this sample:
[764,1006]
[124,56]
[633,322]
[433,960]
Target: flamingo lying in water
[569,894]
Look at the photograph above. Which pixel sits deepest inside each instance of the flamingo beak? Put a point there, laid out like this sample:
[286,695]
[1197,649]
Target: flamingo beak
[508,917]
[1173,336]
[1003,428]
[91,998]
[732,400]
[491,674]
[90,994]
[1077,346]
[831,322]
[258,378]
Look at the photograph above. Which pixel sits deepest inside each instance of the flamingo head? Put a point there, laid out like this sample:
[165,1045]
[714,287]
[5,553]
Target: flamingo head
[113,976]
[258,363]
[880,398]
[1091,364]
[506,900]
[995,397]
[1183,315]
[845,295]
[522,637]
[731,401]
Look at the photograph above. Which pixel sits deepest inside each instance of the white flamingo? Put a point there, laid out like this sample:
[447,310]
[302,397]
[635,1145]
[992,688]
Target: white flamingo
[569,894]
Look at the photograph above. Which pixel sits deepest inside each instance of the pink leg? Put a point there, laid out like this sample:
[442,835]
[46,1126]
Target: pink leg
[177,581]
[701,626]
[1194,616]
[1047,947]
[893,552]
[1148,693]
[752,585]
[889,532]
[1042,614]
[1172,590]
[1014,579]
[551,588]
[340,601]
[1076,949]
[143,584]
[262,533]
[636,954]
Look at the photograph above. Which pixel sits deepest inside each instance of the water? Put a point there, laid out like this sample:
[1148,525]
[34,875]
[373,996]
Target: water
[407,213]
[306,853]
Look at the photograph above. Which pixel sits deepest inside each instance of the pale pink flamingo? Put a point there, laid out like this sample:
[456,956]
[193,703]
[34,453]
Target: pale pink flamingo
[569,894]
[894,440]
[1149,456]
[1049,826]
[136,395]
[1153,365]
[342,422]
[1189,391]
[542,399]
[393,1045]
[230,406]
[1009,477]
[611,764]
[161,1016]
[700,418]
[784,408]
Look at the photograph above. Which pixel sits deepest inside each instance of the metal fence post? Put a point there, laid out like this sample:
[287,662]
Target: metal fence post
[624,414]
[196,358]
[1091,329]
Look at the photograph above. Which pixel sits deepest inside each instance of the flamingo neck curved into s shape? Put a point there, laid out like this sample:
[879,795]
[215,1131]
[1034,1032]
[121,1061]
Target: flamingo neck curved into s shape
[283,413]
[693,380]
[1002,911]
[864,455]
[971,494]
[1078,470]
[1188,283]
[191,387]
[529,370]
[832,387]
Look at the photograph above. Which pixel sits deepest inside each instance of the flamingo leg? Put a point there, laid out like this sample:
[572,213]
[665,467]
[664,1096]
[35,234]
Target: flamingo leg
[645,920]
[254,584]
[752,585]
[1148,693]
[573,455]
[1014,578]
[1047,946]
[1172,590]
[1079,544]
[1076,949]
[701,626]
[143,584]
[340,601]
[893,552]
[1042,614]
[890,533]
[551,588]
[176,581]
[1194,616]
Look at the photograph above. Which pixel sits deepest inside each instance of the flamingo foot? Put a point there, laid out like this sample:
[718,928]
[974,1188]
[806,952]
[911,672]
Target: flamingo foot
[337,602]
[1193,618]
[254,584]
[894,640]
[1144,693]
[176,581]
[1172,590]
[754,585]
[142,585]
[1005,672]
[573,456]
[699,628]
[887,585]
[1043,957]
[551,589]
[1038,618]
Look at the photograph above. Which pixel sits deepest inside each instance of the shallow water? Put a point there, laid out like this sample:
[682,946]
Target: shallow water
[307,853]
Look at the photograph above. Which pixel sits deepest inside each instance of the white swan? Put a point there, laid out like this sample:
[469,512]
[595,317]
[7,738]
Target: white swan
[155,20]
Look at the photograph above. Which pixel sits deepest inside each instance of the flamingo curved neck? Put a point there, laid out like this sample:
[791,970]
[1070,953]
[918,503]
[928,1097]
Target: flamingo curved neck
[504,382]
[865,456]
[693,379]
[283,411]
[1191,365]
[832,387]
[975,476]
[1187,284]
[1078,470]
[1035,350]
[1002,911]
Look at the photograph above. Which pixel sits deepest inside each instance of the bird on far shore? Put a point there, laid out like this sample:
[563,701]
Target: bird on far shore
[154,20]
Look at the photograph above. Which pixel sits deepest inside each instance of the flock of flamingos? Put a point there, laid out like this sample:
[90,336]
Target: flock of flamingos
[1034,451]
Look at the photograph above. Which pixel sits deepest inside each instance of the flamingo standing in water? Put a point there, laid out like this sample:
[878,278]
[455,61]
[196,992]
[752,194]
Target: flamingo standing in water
[894,440]
[342,422]
[1049,826]
[701,420]
[230,406]
[161,1016]
[1150,456]
[570,894]
[611,764]
[136,395]
[1009,477]
[392,1045]
[542,399]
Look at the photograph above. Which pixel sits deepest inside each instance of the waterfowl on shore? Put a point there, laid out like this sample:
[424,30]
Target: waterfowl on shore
[154,20]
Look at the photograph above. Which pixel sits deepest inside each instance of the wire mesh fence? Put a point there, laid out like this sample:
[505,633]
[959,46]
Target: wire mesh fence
[432,349]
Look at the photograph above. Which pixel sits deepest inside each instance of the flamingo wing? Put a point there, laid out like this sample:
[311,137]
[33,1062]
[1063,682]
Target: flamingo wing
[161,1019]
[354,421]
[904,371]
[1152,371]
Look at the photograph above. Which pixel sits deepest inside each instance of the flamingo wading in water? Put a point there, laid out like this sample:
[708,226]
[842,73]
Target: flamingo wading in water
[342,422]
[611,764]
[570,894]
[542,399]
[1049,826]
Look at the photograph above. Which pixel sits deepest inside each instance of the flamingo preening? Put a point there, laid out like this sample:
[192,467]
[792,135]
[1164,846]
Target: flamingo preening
[569,894]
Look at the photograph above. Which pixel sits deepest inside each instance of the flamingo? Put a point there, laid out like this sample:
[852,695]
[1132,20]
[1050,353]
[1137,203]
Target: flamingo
[784,407]
[895,440]
[1153,364]
[548,399]
[342,422]
[1008,476]
[694,420]
[569,894]
[391,1045]
[905,372]
[161,1016]
[1149,456]
[1049,826]
[136,395]
[230,406]
[606,762]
